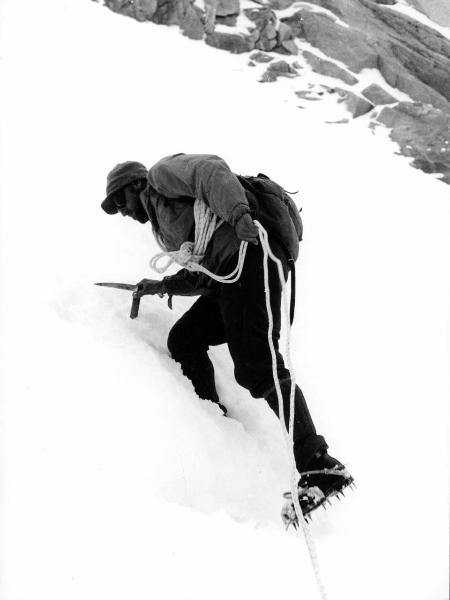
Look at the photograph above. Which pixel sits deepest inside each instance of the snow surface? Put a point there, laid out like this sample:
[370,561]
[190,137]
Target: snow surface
[117,482]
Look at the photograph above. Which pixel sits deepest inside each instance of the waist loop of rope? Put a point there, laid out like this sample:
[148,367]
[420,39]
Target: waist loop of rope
[189,255]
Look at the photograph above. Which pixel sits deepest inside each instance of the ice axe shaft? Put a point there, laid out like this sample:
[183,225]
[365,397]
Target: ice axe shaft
[135,307]
[129,287]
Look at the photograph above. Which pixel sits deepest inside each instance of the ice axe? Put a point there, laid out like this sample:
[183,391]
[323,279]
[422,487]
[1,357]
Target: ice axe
[131,288]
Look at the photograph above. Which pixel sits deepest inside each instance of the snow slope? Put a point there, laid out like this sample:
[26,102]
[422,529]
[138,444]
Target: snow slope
[117,481]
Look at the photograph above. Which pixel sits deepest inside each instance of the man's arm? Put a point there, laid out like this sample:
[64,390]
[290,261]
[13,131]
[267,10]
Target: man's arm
[182,283]
[203,176]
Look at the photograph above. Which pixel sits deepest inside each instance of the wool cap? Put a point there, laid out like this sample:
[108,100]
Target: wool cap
[122,174]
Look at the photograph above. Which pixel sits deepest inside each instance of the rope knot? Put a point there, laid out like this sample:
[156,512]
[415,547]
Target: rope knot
[185,253]
[190,254]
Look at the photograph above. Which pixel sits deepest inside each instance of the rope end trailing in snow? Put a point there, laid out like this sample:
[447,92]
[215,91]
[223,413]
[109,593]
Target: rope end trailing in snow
[189,256]
[287,434]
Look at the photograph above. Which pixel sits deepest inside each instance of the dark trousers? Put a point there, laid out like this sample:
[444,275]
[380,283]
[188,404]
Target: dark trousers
[237,315]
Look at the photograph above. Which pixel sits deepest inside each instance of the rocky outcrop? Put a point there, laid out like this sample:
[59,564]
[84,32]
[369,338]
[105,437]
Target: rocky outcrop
[233,42]
[278,68]
[347,45]
[164,12]
[141,10]
[328,68]
[377,95]
[355,104]
[353,35]
[410,55]
[398,77]
[285,40]
[423,133]
[265,30]
[261,57]
[180,12]
[225,8]
[223,11]
[279,4]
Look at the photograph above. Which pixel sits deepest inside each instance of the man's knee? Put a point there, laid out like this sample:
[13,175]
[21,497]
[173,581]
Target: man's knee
[177,340]
[257,378]
[254,379]
[183,343]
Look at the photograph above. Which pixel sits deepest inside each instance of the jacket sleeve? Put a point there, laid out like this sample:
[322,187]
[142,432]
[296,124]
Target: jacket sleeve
[203,176]
[185,283]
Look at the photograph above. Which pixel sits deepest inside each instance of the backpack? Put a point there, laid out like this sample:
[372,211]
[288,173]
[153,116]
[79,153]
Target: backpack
[276,210]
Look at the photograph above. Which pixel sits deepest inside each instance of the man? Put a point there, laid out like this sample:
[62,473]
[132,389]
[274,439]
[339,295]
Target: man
[233,313]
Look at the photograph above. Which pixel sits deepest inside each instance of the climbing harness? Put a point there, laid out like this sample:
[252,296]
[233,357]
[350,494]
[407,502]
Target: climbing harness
[189,256]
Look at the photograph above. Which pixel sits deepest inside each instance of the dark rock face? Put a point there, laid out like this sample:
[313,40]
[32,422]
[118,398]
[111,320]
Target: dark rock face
[141,10]
[328,68]
[377,95]
[410,55]
[191,22]
[265,27]
[278,68]
[182,13]
[164,12]
[422,132]
[233,42]
[348,45]
[280,4]
[261,57]
[285,41]
[361,34]
[356,105]
[282,68]
[229,20]
[226,8]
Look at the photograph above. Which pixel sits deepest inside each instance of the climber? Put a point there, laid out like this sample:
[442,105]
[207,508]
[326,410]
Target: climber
[234,313]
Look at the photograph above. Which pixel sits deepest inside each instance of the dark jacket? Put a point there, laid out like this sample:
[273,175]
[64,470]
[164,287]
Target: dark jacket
[174,183]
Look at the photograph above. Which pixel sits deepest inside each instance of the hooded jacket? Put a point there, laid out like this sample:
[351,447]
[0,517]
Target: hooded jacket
[174,183]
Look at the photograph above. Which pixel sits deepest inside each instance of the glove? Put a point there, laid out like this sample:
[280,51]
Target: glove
[246,230]
[148,287]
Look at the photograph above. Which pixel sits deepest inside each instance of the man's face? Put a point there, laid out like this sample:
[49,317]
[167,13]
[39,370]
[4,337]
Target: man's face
[129,204]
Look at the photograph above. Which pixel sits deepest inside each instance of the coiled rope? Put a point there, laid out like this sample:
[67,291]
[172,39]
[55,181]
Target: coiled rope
[189,256]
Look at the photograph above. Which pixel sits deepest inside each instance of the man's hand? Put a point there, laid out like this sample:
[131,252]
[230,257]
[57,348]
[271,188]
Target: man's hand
[246,230]
[148,287]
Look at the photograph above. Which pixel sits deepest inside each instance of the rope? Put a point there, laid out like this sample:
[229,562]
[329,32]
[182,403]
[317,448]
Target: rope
[189,256]
[288,435]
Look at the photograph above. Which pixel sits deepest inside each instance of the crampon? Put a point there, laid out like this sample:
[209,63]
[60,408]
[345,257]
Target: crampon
[315,489]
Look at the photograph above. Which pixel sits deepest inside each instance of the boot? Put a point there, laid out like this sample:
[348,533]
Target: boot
[325,473]
[325,477]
